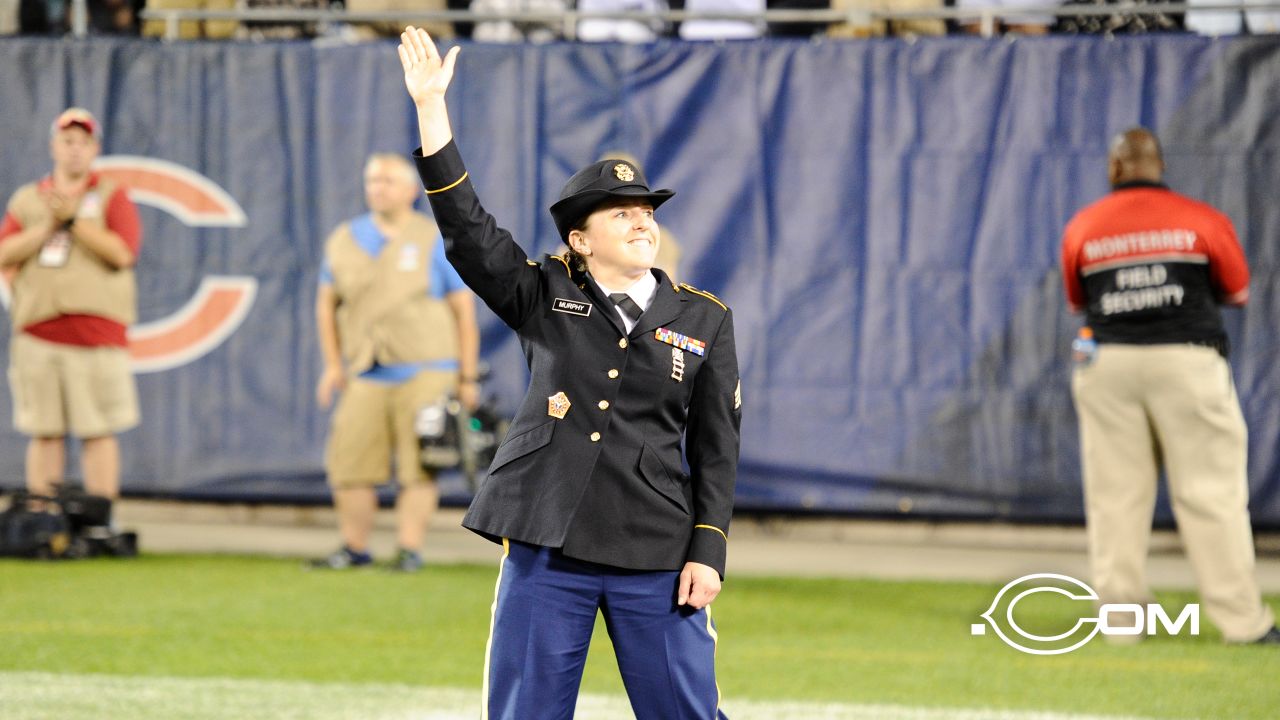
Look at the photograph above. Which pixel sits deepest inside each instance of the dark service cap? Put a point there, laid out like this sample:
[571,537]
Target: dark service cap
[598,182]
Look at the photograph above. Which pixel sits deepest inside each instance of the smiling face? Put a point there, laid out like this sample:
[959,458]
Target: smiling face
[619,237]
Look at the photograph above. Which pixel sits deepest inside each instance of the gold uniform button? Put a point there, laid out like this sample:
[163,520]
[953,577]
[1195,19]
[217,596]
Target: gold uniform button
[595,437]
[622,343]
[613,374]
[604,404]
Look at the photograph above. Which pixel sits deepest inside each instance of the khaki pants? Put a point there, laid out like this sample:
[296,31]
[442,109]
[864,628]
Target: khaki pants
[1146,406]
[438,30]
[86,392]
[191,29]
[879,28]
[374,419]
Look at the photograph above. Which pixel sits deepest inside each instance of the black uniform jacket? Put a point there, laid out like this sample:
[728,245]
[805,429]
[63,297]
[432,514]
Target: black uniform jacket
[605,483]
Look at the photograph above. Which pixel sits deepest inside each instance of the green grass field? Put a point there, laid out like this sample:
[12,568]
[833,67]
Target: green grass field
[845,643]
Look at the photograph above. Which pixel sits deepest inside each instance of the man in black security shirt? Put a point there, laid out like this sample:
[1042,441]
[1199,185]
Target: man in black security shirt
[587,493]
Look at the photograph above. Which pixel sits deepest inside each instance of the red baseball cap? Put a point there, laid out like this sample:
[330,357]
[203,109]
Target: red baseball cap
[79,117]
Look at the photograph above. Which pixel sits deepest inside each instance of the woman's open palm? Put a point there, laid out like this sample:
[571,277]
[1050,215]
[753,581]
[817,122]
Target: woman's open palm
[426,74]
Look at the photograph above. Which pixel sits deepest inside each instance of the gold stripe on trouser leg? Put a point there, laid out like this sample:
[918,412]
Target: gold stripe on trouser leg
[493,617]
[715,647]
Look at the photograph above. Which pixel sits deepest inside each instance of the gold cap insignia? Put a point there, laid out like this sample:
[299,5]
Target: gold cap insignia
[558,405]
[624,172]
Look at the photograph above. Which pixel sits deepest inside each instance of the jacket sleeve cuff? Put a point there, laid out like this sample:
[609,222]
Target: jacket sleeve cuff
[709,546]
[441,171]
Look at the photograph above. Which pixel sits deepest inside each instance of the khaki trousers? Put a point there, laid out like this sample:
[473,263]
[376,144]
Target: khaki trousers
[880,28]
[374,422]
[1143,407]
[87,392]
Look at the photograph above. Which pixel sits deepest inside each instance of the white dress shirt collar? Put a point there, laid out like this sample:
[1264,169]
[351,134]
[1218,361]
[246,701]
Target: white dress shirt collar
[641,292]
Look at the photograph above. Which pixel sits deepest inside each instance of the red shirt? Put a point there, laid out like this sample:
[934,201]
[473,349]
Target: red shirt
[121,217]
[1148,265]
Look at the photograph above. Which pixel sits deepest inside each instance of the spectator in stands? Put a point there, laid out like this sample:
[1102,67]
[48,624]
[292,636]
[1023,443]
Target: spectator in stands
[69,242]
[392,28]
[43,17]
[110,17]
[273,30]
[517,31]
[797,29]
[1021,24]
[9,16]
[114,17]
[193,29]
[1231,22]
[634,31]
[586,494]
[397,330]
[723,29]
[1118,23]
[1148,267]
[878,28]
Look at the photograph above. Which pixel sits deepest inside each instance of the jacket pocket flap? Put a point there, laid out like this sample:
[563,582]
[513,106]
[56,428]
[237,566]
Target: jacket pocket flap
[654,472]
[523,444]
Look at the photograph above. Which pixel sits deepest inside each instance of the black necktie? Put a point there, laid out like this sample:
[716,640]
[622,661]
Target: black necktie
[628,306]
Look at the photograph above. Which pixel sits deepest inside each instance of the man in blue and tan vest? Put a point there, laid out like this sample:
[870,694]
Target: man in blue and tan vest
[397,328]
[68,243]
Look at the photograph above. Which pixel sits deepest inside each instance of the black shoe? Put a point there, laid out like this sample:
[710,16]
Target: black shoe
[342,559]
[407,561]
[1271,638]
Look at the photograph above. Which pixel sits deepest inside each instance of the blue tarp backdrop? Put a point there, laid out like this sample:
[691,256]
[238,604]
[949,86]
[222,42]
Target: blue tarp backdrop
[883,217]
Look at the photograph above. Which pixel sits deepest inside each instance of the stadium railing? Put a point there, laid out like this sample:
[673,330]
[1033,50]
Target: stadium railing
[986,17]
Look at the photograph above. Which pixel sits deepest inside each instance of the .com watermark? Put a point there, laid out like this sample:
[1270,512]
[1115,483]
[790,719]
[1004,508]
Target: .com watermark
[1116,619]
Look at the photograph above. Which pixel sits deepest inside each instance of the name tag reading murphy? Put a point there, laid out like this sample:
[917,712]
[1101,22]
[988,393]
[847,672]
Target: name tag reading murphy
[572,307]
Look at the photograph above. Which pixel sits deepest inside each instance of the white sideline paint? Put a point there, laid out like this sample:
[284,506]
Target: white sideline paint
[49,696]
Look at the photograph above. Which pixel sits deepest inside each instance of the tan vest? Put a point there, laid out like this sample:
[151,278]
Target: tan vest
[85,285]
[385,310]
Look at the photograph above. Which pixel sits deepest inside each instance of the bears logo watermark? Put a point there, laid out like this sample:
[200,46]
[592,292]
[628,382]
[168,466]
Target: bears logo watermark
[1116,619]
[221,302]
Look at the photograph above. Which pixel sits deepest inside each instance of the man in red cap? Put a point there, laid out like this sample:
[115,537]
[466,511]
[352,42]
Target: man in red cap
[68,244]
[588,492]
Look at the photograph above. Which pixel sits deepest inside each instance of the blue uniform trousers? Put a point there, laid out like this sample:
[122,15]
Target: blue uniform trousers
[543,614]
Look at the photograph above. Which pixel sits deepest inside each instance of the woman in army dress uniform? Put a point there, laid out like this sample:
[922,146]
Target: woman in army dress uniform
[587,494]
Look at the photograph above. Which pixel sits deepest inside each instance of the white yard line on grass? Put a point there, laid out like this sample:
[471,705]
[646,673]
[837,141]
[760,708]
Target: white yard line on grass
[48,696]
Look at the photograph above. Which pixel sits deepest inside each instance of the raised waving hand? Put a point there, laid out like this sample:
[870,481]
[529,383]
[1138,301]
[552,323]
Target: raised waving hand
[426,74]
[426,77]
